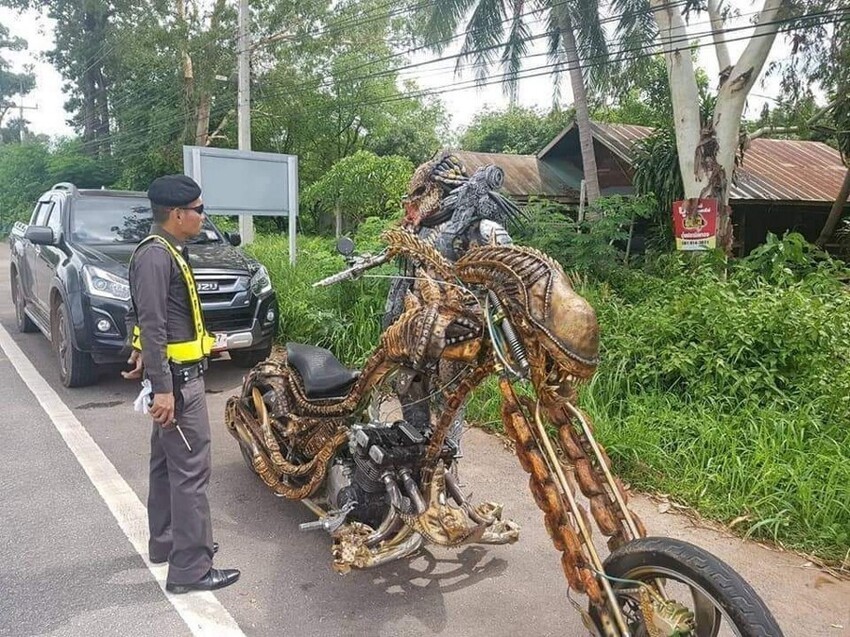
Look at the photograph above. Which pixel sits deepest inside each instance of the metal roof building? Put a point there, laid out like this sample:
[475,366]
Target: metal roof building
[772,170]
[781,185]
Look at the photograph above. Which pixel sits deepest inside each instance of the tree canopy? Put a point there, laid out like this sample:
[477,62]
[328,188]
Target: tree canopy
[518,130]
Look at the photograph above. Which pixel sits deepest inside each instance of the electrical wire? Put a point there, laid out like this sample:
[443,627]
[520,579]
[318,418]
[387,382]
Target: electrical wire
[524,74]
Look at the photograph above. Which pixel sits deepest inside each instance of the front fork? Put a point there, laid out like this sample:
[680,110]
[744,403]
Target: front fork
[554,489]
[566,519]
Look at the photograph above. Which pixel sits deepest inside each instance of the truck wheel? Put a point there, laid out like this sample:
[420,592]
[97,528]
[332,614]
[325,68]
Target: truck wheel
[76,368]
[249,358]
[23,322]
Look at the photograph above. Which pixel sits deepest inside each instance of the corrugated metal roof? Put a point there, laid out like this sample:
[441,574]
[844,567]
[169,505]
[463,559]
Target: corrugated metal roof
[773,169]
[524,174]
[789,169]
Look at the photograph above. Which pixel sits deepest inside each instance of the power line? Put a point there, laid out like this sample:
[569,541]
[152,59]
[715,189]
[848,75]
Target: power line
[468,84]
[660,43]
[347,23]
[357,21]
[548,69]
[457,56]
[554,68]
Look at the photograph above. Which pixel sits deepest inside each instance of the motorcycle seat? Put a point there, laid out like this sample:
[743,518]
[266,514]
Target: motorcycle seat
[323,375]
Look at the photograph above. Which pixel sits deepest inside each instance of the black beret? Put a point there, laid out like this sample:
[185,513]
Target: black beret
[173,191]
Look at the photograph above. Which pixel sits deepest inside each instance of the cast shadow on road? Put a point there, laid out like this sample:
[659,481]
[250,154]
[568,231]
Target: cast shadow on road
[413,588]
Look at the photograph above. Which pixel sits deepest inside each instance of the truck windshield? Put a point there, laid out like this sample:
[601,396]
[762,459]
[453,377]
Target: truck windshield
[121,220]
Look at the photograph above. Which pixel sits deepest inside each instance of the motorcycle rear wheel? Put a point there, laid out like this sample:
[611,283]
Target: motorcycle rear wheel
[722,601]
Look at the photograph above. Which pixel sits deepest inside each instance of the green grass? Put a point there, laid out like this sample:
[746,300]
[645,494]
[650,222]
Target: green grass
[732,396]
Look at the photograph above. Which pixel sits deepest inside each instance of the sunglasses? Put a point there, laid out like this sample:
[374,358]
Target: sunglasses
[199,209]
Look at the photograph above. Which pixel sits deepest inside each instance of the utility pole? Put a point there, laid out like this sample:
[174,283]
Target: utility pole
[243,101]
[21,108]
[21,112]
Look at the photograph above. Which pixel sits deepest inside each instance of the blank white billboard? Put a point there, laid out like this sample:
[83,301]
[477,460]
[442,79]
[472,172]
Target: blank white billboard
[244,182]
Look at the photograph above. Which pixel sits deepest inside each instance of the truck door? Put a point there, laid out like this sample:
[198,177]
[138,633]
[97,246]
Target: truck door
[49,257]
[32,254]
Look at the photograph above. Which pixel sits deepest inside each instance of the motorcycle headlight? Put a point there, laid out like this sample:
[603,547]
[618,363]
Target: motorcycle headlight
[105,284]
[261,282]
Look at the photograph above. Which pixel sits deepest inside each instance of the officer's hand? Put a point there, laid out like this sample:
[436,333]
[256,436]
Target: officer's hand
[136,361]
[162,409]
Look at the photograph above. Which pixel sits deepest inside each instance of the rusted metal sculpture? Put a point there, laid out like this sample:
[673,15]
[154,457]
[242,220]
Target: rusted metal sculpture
[383,488]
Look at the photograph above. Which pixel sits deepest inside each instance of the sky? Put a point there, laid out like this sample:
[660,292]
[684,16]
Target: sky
[50,116]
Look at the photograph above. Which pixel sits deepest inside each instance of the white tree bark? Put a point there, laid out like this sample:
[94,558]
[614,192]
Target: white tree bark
[707,157]
[683,88]
[724,60]
[732,96]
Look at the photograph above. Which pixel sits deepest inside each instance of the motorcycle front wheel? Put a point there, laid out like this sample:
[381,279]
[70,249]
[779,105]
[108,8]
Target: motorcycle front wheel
[721,601]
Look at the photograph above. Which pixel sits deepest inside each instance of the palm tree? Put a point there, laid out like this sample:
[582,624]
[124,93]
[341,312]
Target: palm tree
[574,32]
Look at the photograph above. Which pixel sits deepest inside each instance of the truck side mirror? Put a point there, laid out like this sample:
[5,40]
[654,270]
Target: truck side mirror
[345,246]
[39,235]
[234,238]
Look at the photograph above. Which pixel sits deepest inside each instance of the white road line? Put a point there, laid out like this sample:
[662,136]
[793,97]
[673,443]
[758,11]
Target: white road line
[202,612]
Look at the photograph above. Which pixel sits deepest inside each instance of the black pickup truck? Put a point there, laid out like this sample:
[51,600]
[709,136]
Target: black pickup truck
[69,280]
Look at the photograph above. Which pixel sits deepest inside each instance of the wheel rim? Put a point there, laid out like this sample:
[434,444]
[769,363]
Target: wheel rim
[63,344]
[709,613]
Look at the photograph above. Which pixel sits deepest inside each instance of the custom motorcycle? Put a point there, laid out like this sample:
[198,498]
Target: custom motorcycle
[382,487]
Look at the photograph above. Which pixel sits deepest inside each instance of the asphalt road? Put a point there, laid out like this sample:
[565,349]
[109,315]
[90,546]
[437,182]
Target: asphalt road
[70,560]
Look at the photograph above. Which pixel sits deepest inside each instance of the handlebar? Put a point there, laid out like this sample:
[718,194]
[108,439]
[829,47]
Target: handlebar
[357,265]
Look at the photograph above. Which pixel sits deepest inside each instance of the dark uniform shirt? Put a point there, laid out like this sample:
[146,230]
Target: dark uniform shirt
[161,307]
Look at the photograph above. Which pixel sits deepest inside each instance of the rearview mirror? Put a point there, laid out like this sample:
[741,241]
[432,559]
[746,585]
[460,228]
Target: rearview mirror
[234,238]
[345,246]
[39,235]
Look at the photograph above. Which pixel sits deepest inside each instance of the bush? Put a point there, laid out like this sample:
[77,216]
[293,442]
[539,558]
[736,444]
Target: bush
[594,247]
[362,185]
[346,317]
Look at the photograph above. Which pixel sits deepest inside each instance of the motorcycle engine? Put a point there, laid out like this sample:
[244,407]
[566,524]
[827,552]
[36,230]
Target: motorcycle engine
[379,454]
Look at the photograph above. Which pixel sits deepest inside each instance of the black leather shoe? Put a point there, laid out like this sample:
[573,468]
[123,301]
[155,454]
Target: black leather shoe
[216,578]
[153,561]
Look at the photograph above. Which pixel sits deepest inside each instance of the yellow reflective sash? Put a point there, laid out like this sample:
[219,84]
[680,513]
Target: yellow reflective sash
[201,345]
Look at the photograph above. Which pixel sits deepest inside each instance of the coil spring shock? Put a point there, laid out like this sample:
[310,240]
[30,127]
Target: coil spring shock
[517,350]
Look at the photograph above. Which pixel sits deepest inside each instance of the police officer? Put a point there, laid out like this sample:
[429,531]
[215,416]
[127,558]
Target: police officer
[171,343]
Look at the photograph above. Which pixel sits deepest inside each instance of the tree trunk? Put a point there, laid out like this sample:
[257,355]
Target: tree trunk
[203,127]
[89,115]
[338,220]
[585,132]
[102,114]
[707,150]
[190,123]
[835,211]
[683,93]
[216,133]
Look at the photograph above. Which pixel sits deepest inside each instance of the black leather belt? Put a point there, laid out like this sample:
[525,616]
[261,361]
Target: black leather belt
[189,371]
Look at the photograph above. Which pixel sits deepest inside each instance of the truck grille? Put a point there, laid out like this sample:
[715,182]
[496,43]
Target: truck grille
[217,297]
[229,320]
[221,291]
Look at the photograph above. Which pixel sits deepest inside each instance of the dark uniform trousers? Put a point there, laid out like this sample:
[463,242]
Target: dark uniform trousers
[178,509]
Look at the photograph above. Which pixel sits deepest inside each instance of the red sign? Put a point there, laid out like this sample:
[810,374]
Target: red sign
[695,229]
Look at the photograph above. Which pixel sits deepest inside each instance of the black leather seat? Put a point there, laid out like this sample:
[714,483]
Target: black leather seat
[323,375]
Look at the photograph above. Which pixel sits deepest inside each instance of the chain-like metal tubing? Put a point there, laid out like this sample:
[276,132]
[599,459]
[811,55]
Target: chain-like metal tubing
[543,438]
[612,483]
[557,514]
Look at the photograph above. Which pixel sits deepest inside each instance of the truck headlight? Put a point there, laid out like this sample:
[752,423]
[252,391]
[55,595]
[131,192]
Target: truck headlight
[105,284]
[261,283]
